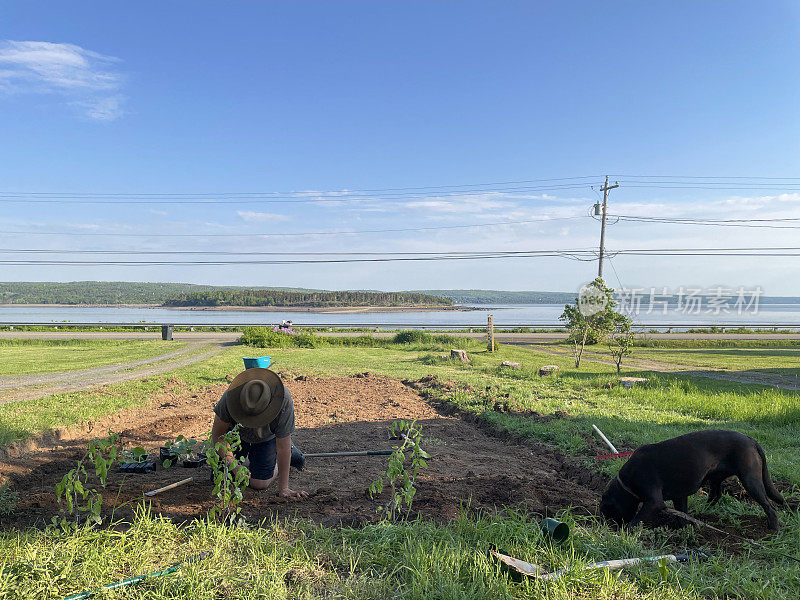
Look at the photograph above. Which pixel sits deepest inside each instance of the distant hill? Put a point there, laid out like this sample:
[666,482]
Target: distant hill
[127,292]
[105,292]
[188,294]
[506,297]
[92,292]
[502,297]
[305,299]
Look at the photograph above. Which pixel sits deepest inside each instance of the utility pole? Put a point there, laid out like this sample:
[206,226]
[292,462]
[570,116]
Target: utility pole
[605,189]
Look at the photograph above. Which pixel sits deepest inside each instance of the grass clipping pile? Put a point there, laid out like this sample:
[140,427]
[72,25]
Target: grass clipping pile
[472,466]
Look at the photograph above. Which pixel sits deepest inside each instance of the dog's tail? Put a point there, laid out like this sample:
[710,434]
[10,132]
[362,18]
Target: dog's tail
[769,487]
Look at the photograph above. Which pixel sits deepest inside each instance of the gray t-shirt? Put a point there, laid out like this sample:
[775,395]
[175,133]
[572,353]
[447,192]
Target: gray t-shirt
[281,426]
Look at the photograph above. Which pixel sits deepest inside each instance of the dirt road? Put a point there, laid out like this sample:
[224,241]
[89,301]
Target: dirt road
[28,387]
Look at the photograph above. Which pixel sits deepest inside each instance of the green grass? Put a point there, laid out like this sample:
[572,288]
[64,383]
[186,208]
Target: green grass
[670,405]
[36,356]
[777,359]
[423,559]
[782,361]
[417,560]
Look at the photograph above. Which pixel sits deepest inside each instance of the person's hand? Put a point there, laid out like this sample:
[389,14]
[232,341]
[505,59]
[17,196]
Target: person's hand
[292,495]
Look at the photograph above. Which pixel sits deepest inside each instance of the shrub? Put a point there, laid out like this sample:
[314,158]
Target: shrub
[265,337]
[413,336]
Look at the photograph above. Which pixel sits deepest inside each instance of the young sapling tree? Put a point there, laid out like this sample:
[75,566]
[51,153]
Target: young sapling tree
[230,475]
[621,339]
[73,487]
[401,480]
[591,318]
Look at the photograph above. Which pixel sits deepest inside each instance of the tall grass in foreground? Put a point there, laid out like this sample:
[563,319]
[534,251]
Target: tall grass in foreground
[267,337]
[415,560]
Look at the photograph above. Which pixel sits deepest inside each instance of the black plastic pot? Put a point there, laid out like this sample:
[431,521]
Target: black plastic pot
[166,453]
[193,463]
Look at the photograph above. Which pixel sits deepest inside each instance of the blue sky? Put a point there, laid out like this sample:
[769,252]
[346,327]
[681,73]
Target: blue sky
[304,98]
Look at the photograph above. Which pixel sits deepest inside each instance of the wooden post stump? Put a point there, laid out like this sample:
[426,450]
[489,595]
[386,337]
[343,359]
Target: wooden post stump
[460,355]
[548,370]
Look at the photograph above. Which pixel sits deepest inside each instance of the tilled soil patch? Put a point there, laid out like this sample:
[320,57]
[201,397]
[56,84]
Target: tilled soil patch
[471,465]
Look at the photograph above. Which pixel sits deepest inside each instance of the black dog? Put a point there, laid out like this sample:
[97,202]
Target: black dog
[675,469]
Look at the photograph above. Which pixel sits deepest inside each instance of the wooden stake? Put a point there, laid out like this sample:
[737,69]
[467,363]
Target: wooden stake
[490,330]
[169,487]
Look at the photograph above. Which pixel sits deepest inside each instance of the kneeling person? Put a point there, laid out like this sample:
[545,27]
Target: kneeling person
[258,401]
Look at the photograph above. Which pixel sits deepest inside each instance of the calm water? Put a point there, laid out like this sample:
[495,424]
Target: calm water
[504,314]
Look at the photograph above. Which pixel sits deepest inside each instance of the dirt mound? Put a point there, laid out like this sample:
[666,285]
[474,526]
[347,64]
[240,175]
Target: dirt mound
[471,464]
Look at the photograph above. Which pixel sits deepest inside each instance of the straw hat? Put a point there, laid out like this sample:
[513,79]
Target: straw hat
[255,397]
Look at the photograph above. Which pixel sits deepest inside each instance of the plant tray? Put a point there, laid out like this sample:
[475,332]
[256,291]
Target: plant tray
[142,467]
[193,463]
[165,453]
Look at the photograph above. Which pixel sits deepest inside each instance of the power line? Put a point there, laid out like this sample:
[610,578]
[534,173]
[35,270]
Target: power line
[245,198]
[265,262]
[748,223]
[721,187]
[301,233]
[708,177]
[584,251]
[321,192]
[575,254]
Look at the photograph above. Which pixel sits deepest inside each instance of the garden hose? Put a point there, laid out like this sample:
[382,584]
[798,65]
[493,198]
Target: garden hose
[138,578]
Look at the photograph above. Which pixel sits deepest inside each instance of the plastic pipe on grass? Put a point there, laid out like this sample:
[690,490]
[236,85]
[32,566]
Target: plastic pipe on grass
[138,578]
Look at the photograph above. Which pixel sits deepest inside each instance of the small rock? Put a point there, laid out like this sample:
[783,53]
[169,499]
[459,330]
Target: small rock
[510,365]
[460,355]
[629,382]
[548,370]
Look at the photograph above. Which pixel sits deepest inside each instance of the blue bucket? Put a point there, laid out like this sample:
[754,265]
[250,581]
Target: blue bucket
[261,362]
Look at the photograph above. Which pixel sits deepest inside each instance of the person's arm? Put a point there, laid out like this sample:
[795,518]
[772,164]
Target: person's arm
[284,448]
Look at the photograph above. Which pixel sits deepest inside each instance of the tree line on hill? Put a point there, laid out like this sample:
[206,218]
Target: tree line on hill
[501,296]
[92,292]
[264,297]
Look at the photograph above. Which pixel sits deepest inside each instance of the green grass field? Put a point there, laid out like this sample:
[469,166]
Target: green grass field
[781,361]
[764,357]
[34,356]
[423,559]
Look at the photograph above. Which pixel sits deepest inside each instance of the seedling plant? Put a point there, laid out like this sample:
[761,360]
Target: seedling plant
[134,455]
[399,479]
[73,487]
[230,476]
[183,448]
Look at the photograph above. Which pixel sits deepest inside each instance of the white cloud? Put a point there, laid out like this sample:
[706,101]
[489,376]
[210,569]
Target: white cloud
[260,217]
[86,79]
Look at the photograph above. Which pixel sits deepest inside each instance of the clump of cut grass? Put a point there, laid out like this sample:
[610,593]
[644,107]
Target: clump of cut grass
[8,499]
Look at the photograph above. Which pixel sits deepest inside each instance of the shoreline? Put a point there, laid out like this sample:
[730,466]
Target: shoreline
[310,309]
[323,309]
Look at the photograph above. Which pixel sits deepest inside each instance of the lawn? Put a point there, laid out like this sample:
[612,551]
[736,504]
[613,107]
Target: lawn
[768,356]
[34,356]
[424,559]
